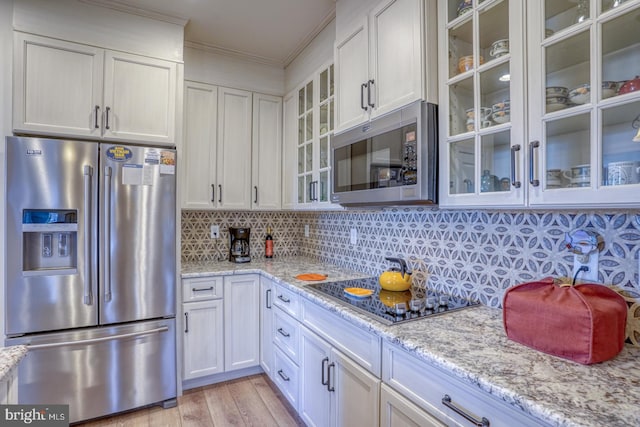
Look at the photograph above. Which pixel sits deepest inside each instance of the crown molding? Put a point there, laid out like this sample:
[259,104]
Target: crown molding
[147,13]
[312,35]
[233,53]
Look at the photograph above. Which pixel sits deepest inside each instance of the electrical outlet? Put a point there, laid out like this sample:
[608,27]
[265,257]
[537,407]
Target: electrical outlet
[306,230]
[215,231]
[586,276]
[354,236]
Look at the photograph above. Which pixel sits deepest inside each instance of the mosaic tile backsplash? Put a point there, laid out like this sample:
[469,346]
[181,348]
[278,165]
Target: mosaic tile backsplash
[474,254]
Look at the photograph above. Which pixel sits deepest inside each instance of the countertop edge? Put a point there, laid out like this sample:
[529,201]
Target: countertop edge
[10,357]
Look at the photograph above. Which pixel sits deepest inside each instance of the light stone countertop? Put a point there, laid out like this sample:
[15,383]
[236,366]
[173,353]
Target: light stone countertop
[9,358]
[471,344]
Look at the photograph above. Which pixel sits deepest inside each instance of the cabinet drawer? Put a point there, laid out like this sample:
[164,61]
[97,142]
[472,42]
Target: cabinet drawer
[287,300]
[286,334]
[201,289]
[286,376]
[427,385]
[360,345]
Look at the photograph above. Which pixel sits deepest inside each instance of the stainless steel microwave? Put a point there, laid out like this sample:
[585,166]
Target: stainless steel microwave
[390,160]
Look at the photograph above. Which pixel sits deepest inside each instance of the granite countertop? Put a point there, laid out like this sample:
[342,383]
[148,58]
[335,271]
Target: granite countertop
[471,344]
[9,358]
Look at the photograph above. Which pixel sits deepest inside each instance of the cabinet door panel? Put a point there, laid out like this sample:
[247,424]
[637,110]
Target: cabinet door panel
[396,54]
[397,411]
[352,56]
[234,149]
[57,86]
[241,322]
[199,154]
[314,396]
[266,152]
[141,96]
[357,393]
[266,326]
[203,339]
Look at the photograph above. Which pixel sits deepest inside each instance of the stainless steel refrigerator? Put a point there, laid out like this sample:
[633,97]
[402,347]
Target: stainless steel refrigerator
[91,273]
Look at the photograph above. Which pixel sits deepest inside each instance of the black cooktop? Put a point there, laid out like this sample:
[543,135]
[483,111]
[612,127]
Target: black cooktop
[391,307]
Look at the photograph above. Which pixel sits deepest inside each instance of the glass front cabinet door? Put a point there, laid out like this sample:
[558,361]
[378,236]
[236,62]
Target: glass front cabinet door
[482,99]
[584,101]
[315,129]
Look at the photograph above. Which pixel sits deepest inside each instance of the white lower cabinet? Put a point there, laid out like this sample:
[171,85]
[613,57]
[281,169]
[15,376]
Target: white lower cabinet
[221,320]
[203,336]
[442,396]
[241,321]
[335,391]
[203,339]
[266,325]
[397,411]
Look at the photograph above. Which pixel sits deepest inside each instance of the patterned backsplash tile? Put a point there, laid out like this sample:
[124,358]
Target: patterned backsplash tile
[474,254]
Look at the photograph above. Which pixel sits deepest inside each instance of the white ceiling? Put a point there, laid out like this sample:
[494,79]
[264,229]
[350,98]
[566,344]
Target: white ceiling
[269,31]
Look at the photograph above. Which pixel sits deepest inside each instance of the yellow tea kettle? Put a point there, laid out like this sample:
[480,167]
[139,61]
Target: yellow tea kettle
[394,279]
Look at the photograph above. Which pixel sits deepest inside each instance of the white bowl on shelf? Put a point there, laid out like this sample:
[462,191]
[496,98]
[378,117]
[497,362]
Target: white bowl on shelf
[580,94]
[502,116]
[556,91]
[556,103]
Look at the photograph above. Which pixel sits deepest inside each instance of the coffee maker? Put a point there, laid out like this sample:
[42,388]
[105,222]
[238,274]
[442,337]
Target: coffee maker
[239,244]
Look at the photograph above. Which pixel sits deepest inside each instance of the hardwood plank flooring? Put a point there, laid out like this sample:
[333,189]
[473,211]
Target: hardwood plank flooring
[249,401]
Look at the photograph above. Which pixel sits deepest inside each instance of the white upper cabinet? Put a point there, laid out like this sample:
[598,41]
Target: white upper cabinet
[541,137]
[232,149]
[233,169]
[266,152]
[584,103]
[313,118]
[482,103]
[139,98]
[73,90]
[199,153]
[352,72]
[380,60]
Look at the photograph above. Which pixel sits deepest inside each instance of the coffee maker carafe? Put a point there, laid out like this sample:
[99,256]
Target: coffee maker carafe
[239,244]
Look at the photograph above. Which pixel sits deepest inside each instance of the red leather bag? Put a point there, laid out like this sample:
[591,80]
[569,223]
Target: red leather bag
[584,323]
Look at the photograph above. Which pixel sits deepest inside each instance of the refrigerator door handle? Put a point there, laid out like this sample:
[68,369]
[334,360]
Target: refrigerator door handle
[101,339]
[107,233]
[88,175]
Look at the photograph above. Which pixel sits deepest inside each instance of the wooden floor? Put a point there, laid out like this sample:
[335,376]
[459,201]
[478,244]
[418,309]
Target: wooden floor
[249,401]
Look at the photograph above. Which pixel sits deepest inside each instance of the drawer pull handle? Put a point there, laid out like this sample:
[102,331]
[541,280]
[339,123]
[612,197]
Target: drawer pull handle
[283,376]
[284,299]
[446,401]
[283,333]
[210,288]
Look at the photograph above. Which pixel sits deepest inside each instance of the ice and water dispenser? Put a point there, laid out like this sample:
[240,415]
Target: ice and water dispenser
[49,242]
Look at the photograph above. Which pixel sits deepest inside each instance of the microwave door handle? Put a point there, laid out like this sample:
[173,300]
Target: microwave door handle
[88,175]
[362,88]
[107,234]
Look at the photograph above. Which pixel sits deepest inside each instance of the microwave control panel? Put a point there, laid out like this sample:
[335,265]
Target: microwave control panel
[410,156]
